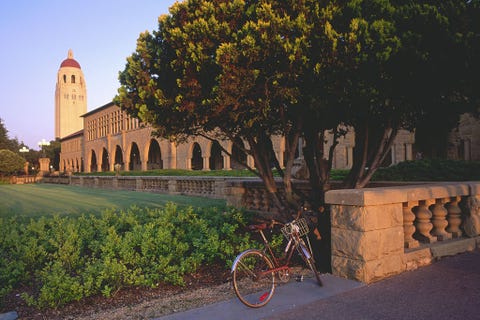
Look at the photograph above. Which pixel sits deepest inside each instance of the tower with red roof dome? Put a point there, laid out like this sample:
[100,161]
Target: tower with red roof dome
[70,97]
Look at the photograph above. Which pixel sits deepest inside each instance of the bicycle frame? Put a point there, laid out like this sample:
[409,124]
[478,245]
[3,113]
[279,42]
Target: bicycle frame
[290,248]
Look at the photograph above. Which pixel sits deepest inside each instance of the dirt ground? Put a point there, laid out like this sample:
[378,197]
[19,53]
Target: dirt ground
[206,287]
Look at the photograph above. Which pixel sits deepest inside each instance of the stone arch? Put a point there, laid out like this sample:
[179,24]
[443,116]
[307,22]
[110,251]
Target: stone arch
[196,157]
[93,161]
[135,160]
[154,156]
[119,157]
[105,160]
[216,158]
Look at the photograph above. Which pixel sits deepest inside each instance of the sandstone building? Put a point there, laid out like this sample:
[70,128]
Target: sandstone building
[110,136]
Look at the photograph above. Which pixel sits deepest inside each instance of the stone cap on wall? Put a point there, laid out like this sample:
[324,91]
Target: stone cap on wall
[401,194]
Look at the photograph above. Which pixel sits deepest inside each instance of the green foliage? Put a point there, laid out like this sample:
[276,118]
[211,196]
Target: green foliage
[65,259]
[10,162]
[430,170]
[5,141]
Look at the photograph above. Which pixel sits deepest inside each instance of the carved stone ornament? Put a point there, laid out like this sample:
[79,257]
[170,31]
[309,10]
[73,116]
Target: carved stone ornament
[471,224]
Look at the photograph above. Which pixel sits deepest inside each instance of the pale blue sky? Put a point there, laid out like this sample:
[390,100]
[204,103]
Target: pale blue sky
[35,36]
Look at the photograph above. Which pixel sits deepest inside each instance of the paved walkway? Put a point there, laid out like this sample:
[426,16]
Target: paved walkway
[447,289]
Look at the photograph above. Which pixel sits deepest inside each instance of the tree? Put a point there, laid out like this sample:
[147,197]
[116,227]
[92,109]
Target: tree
[5,141]
[403,64]
[224,70]
[10,162]
[52,151]
[248,70]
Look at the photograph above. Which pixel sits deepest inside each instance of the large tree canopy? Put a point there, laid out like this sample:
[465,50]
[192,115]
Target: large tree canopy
[246,70]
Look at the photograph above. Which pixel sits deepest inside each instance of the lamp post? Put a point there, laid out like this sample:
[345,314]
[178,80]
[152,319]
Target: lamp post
[43,143]
[24,150]
[44,161]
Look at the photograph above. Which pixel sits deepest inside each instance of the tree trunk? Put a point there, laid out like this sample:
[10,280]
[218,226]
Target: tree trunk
[372,145]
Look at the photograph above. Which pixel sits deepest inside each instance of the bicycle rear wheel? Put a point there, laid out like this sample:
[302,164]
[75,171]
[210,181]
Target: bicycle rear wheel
[308,258]
[253,281]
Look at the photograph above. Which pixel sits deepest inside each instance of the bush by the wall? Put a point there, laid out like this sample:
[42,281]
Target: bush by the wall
[63,259]
[430,170]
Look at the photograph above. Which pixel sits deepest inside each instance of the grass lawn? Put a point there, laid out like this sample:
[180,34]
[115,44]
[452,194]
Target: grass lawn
[32,200]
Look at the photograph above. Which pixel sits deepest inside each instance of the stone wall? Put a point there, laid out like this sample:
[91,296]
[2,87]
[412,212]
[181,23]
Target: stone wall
[381,232]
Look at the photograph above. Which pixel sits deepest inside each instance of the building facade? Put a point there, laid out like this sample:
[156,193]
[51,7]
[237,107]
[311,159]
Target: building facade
[111,137]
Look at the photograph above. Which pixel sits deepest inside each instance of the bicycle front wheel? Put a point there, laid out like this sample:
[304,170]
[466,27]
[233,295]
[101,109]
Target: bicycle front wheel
[253,278]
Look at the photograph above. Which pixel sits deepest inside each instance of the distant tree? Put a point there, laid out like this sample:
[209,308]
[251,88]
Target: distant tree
[52,151]
[10,162]
[5,141]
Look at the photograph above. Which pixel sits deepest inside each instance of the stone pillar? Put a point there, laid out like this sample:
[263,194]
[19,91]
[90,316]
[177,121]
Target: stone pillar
[25,167]
[408,226]
[408,151]
[367,233]
[439,220]
[454,217]
[44,165]
[206,164]
[144,164]
[226,162]
[372,245]
[423,224]
[250,161]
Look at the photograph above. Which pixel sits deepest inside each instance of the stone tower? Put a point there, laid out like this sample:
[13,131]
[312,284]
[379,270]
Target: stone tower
[70,98]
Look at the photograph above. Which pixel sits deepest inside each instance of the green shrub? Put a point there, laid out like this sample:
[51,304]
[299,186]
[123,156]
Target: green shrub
[65,259]
[430,170]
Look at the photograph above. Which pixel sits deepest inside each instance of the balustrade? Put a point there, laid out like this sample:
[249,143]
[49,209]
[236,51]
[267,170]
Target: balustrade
[367,223]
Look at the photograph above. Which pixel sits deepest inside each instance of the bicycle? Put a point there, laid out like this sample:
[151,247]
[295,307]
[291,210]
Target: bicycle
[253,270]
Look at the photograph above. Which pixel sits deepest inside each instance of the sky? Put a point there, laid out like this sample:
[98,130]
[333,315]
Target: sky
[35,36]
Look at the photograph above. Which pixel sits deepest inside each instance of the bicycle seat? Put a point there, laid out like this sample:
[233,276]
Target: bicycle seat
[256,227]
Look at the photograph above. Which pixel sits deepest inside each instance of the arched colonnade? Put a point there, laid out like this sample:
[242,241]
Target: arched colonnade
[142,152]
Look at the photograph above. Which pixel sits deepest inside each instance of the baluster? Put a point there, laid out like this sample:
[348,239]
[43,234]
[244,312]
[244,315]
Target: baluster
[423,223]
[454,217]
[265,202]
[408,227]
[256,194]
[439,220]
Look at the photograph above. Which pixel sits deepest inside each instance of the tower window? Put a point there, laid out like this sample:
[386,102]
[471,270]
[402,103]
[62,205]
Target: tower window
[64,78]
[73,79]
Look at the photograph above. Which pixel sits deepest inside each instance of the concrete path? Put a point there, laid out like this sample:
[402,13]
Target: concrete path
[286,297]
[447,289]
